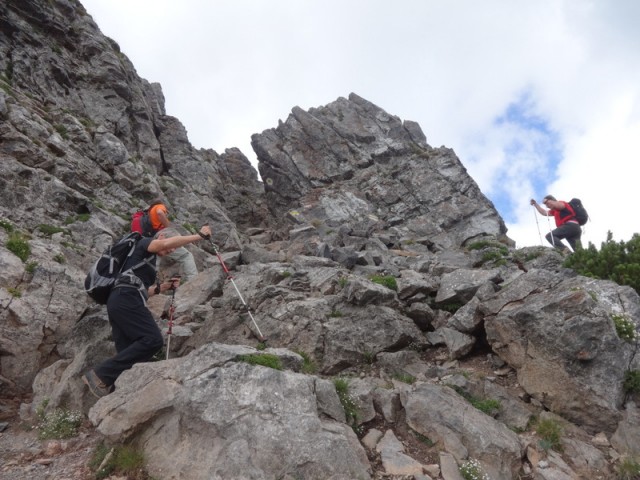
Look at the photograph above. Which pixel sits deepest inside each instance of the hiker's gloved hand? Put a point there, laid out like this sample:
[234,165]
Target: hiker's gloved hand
[205,232]
[533,202]
[175,282]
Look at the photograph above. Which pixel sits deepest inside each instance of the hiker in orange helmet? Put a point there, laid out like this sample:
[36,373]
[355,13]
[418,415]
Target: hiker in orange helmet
[159,218]
[133,329]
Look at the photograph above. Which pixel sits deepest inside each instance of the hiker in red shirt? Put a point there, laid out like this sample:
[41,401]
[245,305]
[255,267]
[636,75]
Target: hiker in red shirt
[567,225]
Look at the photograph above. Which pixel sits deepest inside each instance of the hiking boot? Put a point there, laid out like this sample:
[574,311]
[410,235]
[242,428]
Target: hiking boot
[96,386]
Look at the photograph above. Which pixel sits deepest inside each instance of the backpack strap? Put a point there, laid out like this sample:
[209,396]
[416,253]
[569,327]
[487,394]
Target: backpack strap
[150,261]
[571,210]
[129,279]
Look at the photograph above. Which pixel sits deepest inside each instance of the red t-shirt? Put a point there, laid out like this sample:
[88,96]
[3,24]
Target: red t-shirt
[563,216]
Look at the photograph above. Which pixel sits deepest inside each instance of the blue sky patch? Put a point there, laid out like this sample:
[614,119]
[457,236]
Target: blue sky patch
[532,153]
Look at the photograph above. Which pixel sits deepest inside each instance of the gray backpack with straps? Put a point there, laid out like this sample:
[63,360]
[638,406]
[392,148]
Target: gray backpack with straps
[106,271]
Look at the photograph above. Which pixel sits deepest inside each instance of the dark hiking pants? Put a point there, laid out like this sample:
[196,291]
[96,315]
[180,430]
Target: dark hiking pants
[570,232]
[134,330]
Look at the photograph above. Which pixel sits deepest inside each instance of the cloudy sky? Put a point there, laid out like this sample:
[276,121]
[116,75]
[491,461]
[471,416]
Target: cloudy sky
[534,97]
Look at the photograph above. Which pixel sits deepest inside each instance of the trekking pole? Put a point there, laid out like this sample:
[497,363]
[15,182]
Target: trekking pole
[535,215]
[172,308]
[553,241]
[230,277]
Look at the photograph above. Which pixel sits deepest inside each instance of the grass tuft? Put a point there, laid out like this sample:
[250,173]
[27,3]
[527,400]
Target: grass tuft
[550,433]
[19,246]
[386,281]
[347,400]
[264,359]
[121,461]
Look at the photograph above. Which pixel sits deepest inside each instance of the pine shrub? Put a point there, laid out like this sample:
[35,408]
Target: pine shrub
[617,261]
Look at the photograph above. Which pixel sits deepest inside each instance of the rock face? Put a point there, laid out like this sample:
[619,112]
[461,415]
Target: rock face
[352,163]
[84,142]
[410,337]
[267,423]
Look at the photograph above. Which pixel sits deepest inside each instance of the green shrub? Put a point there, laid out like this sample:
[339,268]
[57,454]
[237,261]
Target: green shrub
[264,359]
[386,281]
[60,423]
[335,314]
[472,470]
[31,267]
[19,246]
[625,328]
[617,261]
[59,258]
[632,381]
[550,433]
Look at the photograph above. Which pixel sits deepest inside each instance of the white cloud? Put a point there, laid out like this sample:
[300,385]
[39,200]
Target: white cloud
[231,69]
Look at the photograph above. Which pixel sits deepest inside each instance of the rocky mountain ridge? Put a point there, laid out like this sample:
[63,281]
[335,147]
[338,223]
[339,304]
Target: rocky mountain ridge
[367,256]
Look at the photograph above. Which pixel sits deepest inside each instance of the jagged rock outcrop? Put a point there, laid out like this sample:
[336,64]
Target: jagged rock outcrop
[352,163]
[368,258]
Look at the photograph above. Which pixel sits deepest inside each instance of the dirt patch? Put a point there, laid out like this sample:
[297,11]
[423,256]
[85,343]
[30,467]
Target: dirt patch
[25,457]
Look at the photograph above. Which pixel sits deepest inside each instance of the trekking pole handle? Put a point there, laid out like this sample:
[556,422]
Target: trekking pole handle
[204,235]
[173,280]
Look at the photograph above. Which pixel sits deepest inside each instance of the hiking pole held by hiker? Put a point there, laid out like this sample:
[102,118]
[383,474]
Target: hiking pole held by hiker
[535,215]
[230,278]
[546,214]
[175,282]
